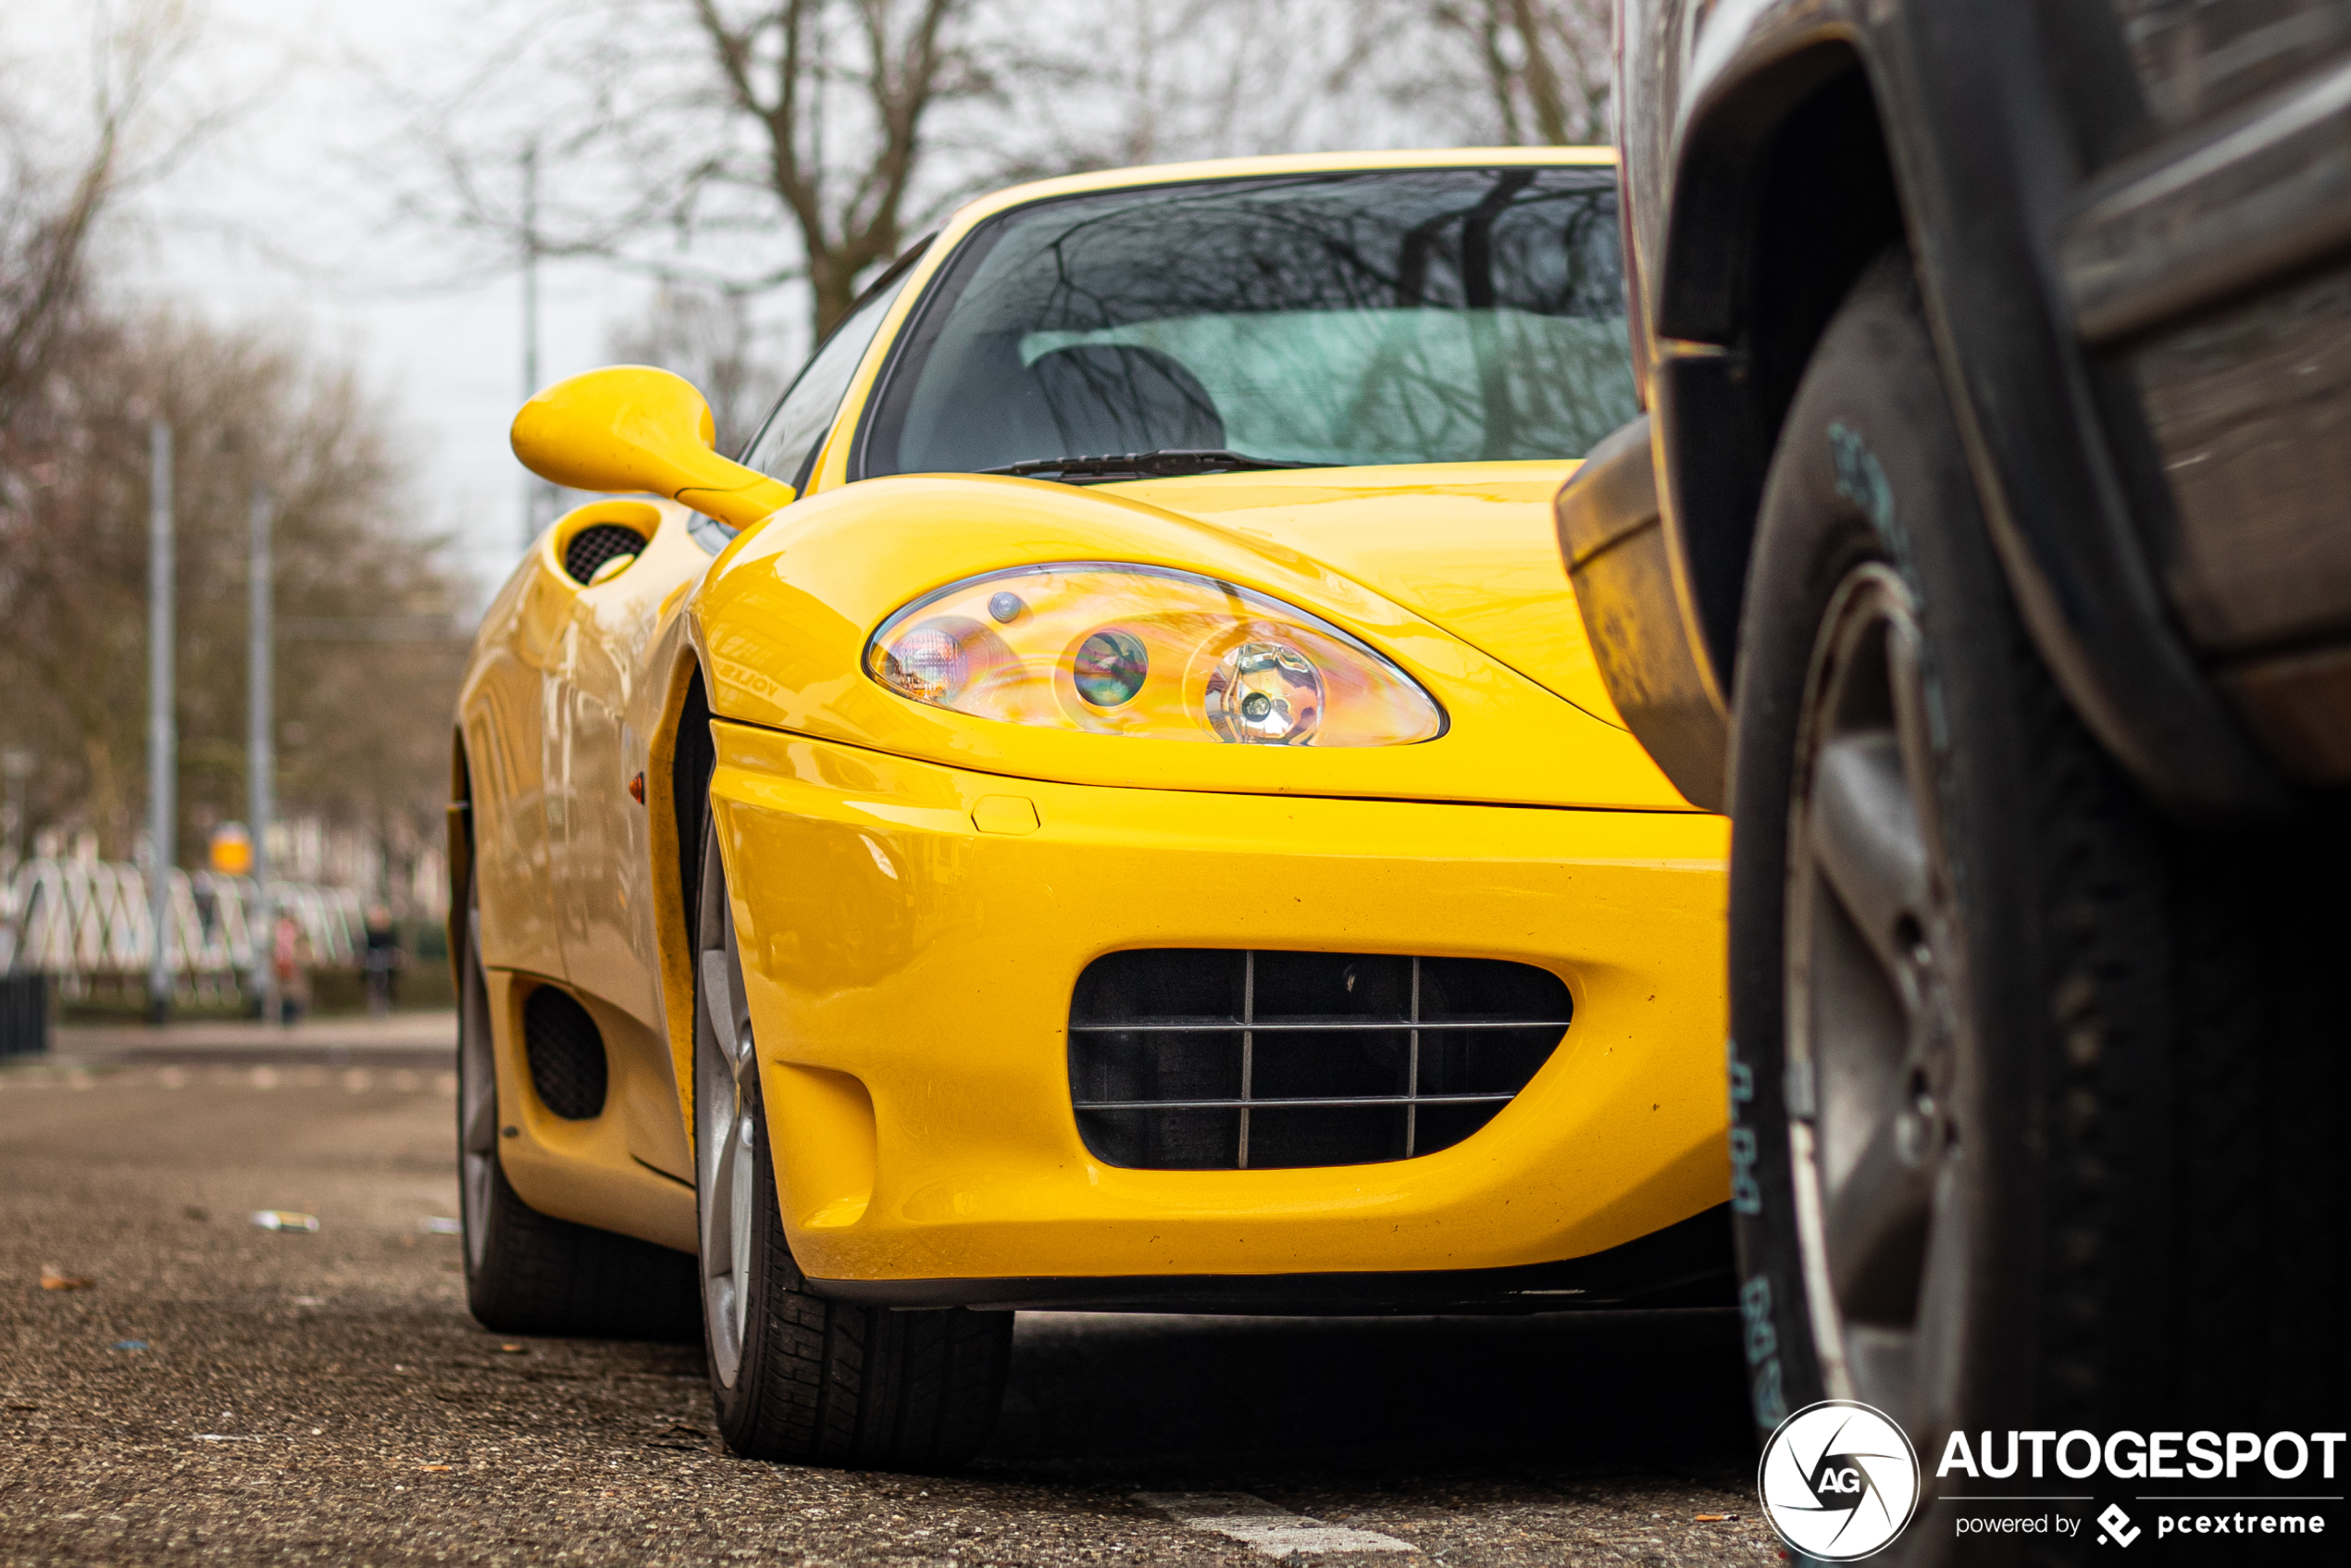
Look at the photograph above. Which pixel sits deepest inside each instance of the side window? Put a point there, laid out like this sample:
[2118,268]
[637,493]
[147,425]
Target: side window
[786,446]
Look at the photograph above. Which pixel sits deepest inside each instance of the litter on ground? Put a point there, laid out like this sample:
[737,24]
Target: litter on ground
[284,1219]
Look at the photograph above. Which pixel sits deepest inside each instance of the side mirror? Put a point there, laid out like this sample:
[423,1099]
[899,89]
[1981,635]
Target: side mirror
[630,428]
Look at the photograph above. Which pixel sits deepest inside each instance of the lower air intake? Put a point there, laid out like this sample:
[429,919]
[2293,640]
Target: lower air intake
[1209,1059]
[566,1052]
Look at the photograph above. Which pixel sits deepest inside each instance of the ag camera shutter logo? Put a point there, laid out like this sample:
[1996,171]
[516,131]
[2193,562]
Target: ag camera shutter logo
[1839,1480]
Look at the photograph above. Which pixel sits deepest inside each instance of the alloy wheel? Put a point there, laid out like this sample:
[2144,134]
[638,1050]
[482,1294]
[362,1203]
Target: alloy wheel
[725,1122]
[1871,1012]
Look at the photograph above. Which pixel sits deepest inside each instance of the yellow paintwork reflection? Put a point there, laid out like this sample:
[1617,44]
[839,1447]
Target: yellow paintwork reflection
[1497,584]
[917,889]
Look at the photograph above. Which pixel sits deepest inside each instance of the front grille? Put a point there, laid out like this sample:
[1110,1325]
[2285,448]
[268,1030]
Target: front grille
[1212,1059]
[566,1055]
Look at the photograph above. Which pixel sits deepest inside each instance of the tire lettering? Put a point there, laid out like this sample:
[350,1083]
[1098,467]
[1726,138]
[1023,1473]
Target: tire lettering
[1762,1339]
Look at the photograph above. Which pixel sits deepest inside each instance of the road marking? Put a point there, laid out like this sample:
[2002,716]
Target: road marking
[1252,1521]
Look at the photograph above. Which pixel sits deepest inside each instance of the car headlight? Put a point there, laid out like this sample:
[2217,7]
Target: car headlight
[1144,651]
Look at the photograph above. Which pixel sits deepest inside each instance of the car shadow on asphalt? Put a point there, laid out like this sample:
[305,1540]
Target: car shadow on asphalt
[1209,1401]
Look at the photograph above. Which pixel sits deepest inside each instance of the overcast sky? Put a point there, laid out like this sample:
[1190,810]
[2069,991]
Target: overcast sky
[276,219]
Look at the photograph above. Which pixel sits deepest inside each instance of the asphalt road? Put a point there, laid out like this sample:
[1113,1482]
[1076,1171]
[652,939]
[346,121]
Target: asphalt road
[221,1394]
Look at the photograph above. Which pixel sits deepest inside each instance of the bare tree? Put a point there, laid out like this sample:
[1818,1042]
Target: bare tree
[684,137]
[775,65]
[1106,86]
[1516,71]
[51,197]
[680,136]
[706,335]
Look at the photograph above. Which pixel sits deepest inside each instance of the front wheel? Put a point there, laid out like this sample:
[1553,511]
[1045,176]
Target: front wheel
[794,1375]
[2027,1084]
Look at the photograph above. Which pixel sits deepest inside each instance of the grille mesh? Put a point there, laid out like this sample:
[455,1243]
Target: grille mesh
[566,1052]
[1212,1059]
[597,543]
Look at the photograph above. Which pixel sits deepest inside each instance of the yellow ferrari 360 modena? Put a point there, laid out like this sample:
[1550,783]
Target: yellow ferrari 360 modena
[1107,804]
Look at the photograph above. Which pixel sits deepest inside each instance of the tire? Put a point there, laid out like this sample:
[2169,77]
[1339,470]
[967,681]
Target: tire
[529,1273]
[793,1375]
[2032,1091]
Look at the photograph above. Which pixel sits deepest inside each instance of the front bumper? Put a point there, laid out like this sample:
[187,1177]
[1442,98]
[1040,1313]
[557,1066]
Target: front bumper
[911,934]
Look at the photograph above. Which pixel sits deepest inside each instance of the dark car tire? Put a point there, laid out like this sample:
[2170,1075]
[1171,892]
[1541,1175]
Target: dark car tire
[794,1375]
[529,1273]
[2033,1093]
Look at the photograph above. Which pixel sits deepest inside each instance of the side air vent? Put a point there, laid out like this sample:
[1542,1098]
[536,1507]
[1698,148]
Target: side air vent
[566,1052]
[1207,1059]
[595,544]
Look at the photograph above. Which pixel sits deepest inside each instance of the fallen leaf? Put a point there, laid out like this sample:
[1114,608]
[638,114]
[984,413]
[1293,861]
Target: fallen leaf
[433,1467]
[193,1213]
[516,1349]
[54,1278]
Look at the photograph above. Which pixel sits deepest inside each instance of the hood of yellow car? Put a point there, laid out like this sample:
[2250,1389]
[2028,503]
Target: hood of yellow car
[1468,546]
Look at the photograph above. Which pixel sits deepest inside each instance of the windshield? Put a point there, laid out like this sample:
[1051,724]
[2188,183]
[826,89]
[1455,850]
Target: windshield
[1422,316]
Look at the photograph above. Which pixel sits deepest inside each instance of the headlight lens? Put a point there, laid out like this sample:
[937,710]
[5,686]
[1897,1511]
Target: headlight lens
[1144,651]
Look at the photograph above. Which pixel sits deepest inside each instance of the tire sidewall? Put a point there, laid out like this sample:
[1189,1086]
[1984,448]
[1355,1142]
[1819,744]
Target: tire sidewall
[737,1405]
[1870,467]
[476,1054]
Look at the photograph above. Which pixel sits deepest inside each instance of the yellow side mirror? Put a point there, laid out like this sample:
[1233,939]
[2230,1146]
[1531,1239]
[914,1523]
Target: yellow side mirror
[631,428]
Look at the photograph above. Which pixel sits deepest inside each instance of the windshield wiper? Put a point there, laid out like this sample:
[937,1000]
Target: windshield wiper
[1168,462]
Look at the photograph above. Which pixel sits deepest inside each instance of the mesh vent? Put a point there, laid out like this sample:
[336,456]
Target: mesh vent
[597,543]
[566,1052]
[1207,1059]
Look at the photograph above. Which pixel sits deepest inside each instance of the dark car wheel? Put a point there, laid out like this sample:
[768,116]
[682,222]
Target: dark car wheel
[2030,1090]
[529,1273]
[796,1377]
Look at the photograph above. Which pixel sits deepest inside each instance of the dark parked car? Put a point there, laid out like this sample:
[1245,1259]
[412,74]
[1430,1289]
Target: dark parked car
[1984,551]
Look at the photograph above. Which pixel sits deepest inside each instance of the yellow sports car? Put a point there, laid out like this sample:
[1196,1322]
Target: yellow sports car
[1108,804]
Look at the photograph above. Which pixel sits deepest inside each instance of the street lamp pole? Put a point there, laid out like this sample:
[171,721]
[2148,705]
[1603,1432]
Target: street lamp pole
[261,756]
[162,735]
